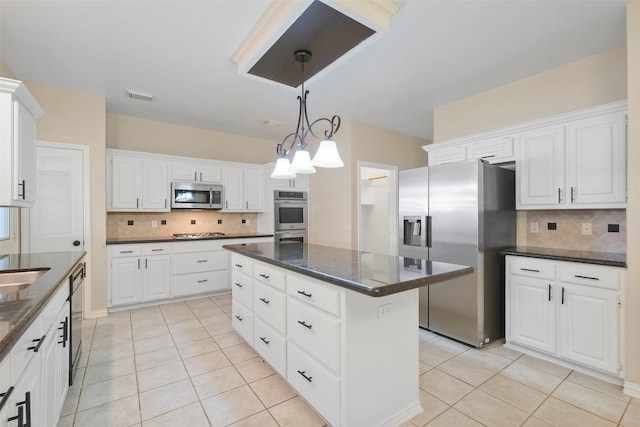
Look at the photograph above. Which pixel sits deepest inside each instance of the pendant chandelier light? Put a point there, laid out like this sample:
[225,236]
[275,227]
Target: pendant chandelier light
[327,155]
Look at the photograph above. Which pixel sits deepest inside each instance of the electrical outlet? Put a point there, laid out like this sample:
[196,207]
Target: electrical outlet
[586,229]
[154,224]
[533,227]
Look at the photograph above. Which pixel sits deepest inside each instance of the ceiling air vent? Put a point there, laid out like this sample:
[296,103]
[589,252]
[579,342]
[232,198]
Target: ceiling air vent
[140,96]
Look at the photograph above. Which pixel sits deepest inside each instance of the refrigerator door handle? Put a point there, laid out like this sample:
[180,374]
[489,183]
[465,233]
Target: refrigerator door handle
[428,230]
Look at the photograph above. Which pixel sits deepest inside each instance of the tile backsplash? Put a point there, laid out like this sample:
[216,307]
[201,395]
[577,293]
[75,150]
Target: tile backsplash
[568,232]
[137,224]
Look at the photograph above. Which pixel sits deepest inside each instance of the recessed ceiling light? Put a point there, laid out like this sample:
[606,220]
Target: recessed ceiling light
[140,96]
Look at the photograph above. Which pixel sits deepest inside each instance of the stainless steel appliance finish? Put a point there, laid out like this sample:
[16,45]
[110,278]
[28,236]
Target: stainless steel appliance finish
[196,195]
[462,213]
[290,210]
[76,291]
[295,236]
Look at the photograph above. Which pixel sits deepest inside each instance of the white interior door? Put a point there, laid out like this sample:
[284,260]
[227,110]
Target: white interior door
[56,220]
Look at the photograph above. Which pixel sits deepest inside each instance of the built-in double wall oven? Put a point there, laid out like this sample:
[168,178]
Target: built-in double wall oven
[290,216]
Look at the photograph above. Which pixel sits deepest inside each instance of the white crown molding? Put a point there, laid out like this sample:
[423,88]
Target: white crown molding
[17,88]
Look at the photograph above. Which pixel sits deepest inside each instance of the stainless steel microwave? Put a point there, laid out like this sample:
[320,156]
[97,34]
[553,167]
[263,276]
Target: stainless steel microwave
[196,195]
[290,210]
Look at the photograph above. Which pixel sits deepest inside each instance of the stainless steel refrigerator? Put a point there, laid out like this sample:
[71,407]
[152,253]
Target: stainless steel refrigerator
[462,213]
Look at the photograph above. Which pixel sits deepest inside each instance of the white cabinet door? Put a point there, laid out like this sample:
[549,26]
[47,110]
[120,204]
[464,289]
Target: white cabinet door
[300,182]
[596,160]
[210,173]
[447,155]
[233,189]
[155,185]
[63,334]
[156,278]
[28,389]
[493,150]
[181,171]
[589,326]
[532,310]
[25,186]
[254,189]
[125,281]
[125,178]
[49,379]
[540,167]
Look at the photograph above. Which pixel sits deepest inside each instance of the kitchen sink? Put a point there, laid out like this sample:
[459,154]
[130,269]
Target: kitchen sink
[14,281]
[187,236]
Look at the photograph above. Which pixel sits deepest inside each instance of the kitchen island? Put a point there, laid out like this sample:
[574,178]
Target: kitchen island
[341,326]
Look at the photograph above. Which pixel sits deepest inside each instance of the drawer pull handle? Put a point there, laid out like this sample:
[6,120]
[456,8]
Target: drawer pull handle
[264,300]
[238,265]
[266,276]
[305,324]
[238,317]
[530,269]
[304,376]
[203,260]
[585,277]
[157,250]
[305,294]
[562,301]
[126,252]
[549,292]
[203,280]
[264,340]
[5,397]
[240,285]
[36,347]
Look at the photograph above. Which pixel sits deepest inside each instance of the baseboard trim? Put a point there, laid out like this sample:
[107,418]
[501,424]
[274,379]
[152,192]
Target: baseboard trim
[94,314]
[631,389]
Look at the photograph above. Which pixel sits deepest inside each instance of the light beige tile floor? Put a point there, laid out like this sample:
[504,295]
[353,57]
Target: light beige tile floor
[181,364]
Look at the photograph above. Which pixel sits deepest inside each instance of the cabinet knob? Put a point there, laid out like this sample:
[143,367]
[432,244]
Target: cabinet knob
[76,243]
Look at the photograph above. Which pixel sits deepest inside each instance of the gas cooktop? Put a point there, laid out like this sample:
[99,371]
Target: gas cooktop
[187,236]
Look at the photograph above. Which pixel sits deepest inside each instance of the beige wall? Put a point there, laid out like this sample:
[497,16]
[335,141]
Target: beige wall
[79,118]
[132,133]
[590,81]
[633,205]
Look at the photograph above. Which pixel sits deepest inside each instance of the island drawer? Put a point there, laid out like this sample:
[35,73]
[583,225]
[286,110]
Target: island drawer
[270,305]
[242,264]
[315,383]
[30,342]
[242,288]
[315,332]
[598,276]
[532,267]
[271,346]
[208,281]
[269,275]
[313,292]
[196,262]
[242,321]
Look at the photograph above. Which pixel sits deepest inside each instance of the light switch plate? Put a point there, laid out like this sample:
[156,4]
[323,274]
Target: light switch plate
[533,227]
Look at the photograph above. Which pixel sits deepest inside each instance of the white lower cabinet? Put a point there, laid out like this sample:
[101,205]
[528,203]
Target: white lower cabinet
[34,377]
[199,267]
[352,366]
[568,310]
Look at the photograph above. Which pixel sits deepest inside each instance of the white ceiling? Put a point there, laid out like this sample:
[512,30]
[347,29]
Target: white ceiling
[180,51]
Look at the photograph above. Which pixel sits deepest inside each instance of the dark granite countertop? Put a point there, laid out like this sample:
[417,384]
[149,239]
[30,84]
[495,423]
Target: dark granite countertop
[371,274]
[125,240]
[19,309]
[613,259]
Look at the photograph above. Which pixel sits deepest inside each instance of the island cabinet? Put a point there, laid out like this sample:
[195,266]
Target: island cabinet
[570,311]
[352,357]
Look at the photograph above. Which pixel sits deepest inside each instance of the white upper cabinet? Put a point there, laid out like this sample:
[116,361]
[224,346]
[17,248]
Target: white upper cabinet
[243,189]
[188,171]
[18,114]
[577,165]
[137,184]
[493,150]
[300,182]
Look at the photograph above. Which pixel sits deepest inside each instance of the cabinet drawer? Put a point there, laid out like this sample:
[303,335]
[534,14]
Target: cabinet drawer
[269,305]
[590,275]
[242,288]
[532,267]
[200,261]
[159,249]
[51,310]
[493,150]
[197,283]
[315,383]
[271,346]
[314,292]
[119,251]
[315,332]
[269,275]
[447,155]
[23,351]
[242,321]
[242,264]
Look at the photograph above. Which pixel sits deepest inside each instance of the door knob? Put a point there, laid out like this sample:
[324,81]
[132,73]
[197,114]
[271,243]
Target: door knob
[76,243]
